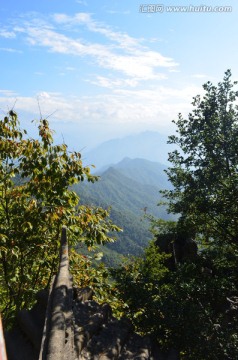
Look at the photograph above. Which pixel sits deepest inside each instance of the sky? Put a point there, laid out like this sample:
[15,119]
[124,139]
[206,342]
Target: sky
[106,69]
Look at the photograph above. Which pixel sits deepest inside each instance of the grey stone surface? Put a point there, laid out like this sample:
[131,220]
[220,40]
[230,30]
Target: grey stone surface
[66,323]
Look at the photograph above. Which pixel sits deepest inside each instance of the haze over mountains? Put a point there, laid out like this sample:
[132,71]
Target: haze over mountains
[144,171]
[131,188]
[147,145]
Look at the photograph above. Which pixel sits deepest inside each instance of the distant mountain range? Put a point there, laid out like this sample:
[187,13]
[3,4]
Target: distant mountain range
[147,145]
[131,187]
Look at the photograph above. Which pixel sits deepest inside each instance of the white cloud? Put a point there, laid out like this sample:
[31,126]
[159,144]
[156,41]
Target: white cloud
[113,12]
[123,54]
[115,82]
[112,83]
[86,19]
[157,106]
[7,34]
[122,99]
[174,71]
[70,68]
[82,2]
[11,50]
[7,93]
[199,76]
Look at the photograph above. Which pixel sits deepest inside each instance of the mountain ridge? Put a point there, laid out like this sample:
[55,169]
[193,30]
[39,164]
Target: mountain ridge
[152,173]
[148,145]
[130,200]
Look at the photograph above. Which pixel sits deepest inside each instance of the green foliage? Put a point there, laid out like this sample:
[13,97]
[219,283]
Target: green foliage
[88,271]
[162,227]
[35,201]
[193,308]
[138,281]
[186,309]
[204,172]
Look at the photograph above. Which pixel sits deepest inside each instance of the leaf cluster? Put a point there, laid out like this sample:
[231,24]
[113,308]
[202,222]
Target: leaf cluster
[35,202]
[204,173]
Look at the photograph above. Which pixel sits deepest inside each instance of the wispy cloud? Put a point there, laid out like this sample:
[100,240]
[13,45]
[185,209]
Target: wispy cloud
[82,2]
[10,50]
[121,53]
[157,106]
[116,12]
[174,70]
[7,93]
[7,34]
[86,19]
[114,83]
[70,68]
[199,76]
[128,64]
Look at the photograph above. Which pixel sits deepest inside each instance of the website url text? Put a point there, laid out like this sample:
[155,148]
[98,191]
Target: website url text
[160,8]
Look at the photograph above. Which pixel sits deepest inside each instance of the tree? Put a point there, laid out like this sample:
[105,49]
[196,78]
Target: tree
[193,306]
[192,309]
[139,282]
[35,201]
[186,309]
[205,170]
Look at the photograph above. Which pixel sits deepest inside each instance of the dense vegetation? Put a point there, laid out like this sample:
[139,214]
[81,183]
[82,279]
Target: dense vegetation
[35,201]
[184,290]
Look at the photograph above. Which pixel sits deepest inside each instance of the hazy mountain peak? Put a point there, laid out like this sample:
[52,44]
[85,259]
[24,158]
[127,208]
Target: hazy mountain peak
[148,145]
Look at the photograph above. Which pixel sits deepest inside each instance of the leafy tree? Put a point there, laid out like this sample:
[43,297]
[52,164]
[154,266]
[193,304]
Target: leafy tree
[138,281]
[188,309]
[193,308]
[205,170]
[88,271]
[35,201]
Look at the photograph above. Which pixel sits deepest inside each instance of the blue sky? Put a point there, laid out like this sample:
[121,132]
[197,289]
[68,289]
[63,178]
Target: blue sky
[105,69]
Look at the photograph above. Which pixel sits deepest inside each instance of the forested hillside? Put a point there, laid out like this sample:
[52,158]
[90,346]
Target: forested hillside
[129,189]
[144,171]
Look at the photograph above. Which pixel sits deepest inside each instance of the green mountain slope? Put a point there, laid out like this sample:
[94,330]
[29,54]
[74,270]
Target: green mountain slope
[128,199]
[144,171]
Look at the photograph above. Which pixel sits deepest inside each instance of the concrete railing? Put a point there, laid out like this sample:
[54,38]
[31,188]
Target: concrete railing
[57,337]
